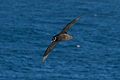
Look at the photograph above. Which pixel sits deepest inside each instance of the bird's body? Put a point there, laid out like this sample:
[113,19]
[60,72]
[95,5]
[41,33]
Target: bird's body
[62,36]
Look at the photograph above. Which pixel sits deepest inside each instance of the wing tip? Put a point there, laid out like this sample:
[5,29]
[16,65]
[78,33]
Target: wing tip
[44,59]
[78,18]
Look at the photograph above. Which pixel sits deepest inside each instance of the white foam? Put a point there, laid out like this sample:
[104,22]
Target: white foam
[95,14]
[77,46]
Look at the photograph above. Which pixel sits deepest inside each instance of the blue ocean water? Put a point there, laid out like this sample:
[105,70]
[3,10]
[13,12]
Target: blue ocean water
[26,29]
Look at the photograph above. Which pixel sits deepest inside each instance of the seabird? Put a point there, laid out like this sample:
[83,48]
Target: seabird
[62,36]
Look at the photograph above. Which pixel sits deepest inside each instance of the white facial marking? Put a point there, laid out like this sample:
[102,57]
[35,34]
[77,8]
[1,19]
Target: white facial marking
[54,39]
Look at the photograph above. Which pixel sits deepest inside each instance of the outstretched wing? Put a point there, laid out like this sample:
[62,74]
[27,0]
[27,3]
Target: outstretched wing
[69,25]
[48,50]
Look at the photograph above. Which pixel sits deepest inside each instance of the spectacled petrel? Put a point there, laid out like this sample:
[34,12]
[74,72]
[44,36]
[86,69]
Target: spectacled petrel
[62,36]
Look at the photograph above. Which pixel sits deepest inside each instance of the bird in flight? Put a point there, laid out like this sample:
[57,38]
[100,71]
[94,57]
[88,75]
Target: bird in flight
[62,36]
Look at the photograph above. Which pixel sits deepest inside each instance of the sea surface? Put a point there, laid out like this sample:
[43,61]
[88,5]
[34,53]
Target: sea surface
[26,30]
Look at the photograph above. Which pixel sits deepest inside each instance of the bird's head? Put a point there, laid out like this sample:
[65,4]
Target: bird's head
[54,38]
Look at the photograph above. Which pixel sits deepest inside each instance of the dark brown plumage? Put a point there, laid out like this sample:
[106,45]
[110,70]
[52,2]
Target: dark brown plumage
[62,36]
